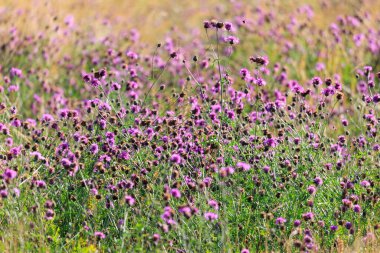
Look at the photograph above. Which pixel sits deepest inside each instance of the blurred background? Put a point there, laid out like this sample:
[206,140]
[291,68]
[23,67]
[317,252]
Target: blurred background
[154,18]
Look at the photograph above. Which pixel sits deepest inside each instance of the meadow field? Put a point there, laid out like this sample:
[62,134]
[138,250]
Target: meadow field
[189,126]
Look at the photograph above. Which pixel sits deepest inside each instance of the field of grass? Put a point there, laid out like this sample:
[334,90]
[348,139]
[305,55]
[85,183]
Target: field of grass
[189,126]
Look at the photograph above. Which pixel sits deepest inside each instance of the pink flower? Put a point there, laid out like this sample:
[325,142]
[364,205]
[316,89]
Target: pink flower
[280,221]
[9,174]
[210,216]
[357,209]
[365,183]
[214,204]
[175,158]
[130,200]
[243,166]
[176,193]
[99,235]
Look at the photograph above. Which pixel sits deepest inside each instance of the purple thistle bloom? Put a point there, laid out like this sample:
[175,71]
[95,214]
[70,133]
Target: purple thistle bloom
[16,192]
[124,155]
[175,158]
[99,235]
[280,221]
[320,66]
[175,193]
[49,214]
[210,216]
[348,225]
[365,183]
[47,118]
[228,26]
[232,40]
[270,142]
[297,223]
[15,72]
[130,200]
[318,181]
[94,148]
[321,223]
[4,193]
[156,238]
[214,204]
[311,189]
[40,184]
[357,209]
[243,166]
[316,81]
[9,174]
[308,216]
[376,98]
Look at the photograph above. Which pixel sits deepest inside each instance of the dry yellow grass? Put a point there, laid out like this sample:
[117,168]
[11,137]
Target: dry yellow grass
[153,18]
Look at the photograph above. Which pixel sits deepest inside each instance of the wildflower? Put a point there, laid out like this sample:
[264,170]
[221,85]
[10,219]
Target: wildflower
[124,155]
[365,184]
[232,40]
[175,193]
[357,209]
[318,181]
[99,235]
[4,193]
[243,166]
[9,142]
[376,98]
[369,238]
[16,192]
[226,171]
[307,239]
[280,221]
[346,202]
[49,204]
[175,158]
[214,204]
[244,73]
[316,81]
[231,114]
[260,60]
[228,26]
[49,214]
[210,216]
[15,72]
[40,184]
[94,191]
[259,81]
[185,210]
[297,223]
[206,24]
[311,189]
[9,174]
[47,118]
[156,238]
[308,216]
[130,200]
[94,148]
[132,55]
[320,66]
[348,225]
[321,223]
[115,86]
